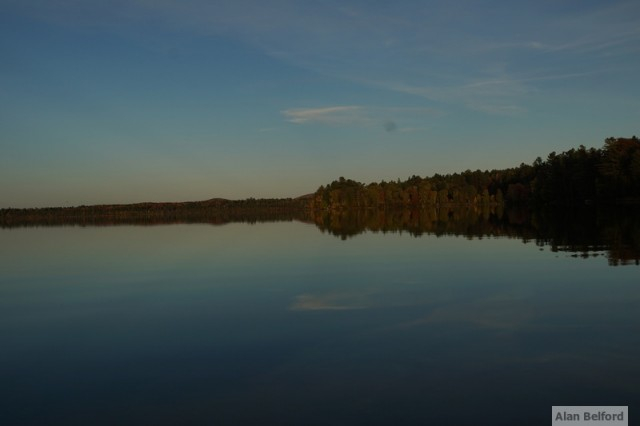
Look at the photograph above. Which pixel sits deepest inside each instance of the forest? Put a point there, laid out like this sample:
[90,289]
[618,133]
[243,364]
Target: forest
[608,175]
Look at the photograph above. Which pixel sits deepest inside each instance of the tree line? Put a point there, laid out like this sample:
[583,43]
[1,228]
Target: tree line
[214,211]
[608,174]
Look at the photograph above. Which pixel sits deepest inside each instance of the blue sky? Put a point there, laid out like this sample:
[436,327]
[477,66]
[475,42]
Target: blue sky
[167,100]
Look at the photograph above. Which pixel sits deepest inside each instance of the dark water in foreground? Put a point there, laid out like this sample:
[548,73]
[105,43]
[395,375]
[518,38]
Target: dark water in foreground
[278,323]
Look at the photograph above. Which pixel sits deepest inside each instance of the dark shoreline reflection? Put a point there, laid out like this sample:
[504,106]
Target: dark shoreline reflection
[584,231]
[148,217]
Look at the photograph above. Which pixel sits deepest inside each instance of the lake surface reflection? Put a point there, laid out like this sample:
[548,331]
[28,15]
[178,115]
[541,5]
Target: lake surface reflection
[278,323]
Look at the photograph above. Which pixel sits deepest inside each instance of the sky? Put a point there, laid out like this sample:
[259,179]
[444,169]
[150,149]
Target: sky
[176,100]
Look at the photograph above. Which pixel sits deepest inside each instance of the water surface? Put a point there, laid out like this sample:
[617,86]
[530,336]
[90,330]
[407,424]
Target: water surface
[278,323]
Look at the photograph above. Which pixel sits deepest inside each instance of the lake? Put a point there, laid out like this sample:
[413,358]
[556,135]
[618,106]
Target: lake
[289,323]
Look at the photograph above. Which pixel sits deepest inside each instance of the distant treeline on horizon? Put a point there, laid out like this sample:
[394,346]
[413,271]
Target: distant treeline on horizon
[610,174]
[214,211]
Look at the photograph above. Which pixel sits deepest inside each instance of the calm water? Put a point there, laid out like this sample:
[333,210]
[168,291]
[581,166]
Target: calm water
[278,323]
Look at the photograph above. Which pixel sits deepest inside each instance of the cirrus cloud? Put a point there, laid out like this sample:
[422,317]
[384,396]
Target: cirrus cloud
[389,118]
[326,115]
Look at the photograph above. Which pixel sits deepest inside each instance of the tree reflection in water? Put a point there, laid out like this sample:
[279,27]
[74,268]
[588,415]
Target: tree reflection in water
[583,231]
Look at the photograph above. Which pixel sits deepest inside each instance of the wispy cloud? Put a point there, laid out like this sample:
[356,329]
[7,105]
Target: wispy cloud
[333,115]
[609,43]
[612,28]
[495,97]
[389,119]
[437,51]
[497,109]
[330,302]
[498,93]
